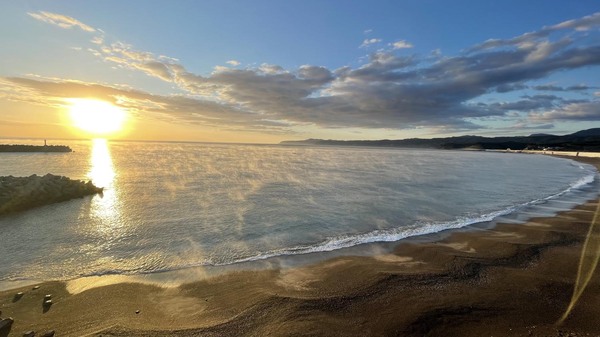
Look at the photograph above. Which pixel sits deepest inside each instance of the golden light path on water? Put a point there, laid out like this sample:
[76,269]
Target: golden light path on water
[105,209]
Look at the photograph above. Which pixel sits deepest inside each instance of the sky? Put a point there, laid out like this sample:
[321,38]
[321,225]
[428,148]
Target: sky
[267,71]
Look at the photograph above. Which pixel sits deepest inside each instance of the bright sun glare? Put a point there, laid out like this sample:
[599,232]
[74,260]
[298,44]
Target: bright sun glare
[99,118]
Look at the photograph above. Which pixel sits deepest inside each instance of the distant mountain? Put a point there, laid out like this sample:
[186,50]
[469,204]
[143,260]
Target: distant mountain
[540,135]
[585,140]
[595,132]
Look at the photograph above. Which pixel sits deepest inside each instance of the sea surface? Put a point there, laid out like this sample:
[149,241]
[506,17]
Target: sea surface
[174,206]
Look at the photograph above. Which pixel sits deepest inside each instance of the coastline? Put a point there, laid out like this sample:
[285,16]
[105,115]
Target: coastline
[513,279]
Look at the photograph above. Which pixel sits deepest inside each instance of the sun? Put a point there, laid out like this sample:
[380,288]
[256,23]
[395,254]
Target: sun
[98,118]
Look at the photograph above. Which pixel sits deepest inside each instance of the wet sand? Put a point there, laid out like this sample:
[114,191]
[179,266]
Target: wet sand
[510,280]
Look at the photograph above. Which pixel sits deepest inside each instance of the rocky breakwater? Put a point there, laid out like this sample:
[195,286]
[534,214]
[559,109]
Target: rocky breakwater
[22,193]
[34,148]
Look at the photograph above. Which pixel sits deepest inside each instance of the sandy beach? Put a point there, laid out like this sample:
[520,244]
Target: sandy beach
[510,280]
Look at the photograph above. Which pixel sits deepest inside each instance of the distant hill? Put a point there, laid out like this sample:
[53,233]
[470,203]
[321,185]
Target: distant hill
[585,140]
[595,132]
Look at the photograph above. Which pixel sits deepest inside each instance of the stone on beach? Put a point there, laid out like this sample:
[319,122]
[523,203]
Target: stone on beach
[29,334]
[18,296]
[48,303]
[48,297]
[6,323]
[49,333]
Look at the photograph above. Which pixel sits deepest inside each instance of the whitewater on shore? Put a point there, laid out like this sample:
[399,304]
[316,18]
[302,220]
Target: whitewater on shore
[174,206]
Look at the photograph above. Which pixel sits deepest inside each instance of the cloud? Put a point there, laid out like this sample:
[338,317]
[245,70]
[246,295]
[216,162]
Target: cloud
[551,87]
[401,44]
[174,108]
[62,21]
[368,42]
[389,91]
[582,111]
[157,69]
[318,75]
[271,69]
[502,88]
[97,40]
[125,56]
[579,87]
[528,103]
[548,87]
[525,125]
[583,24]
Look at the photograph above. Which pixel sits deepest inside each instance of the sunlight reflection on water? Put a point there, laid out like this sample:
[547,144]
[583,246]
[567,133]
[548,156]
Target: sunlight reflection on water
[106,208]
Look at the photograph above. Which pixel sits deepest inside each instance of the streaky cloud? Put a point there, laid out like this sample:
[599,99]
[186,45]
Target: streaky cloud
[60,20]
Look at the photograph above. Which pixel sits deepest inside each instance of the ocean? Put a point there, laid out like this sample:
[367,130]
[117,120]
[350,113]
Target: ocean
[177,206]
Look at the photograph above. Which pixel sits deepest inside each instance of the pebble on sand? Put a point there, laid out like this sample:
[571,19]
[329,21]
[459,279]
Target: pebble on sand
[36,287]
[48,303]
[29,334]
[6,323]
[47,297]
[49,333]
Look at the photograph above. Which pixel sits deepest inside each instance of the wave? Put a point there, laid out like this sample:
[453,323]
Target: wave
[389,235]
[582,182]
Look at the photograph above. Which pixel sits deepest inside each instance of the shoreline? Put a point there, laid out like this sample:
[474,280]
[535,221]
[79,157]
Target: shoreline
[512,279]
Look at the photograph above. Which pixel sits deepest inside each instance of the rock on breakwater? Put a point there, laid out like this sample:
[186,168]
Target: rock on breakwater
[22,193]
[34,148]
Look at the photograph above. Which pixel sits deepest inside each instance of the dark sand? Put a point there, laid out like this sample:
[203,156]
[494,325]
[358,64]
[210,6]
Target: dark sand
[511,280]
